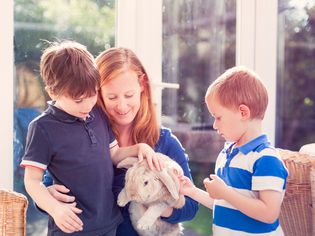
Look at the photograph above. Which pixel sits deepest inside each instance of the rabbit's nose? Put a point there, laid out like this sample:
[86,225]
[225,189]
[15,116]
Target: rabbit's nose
[132,195]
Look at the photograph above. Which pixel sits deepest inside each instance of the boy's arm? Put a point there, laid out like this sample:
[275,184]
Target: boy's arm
[266,208]
[189,189]
[64,215]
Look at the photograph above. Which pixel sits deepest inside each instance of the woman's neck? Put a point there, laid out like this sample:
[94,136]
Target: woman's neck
[125,136]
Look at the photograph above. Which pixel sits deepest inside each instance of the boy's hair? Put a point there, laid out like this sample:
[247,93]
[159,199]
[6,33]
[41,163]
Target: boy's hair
[68,68]
[237,86]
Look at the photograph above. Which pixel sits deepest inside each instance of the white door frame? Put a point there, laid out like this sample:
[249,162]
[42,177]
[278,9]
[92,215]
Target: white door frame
[6,95]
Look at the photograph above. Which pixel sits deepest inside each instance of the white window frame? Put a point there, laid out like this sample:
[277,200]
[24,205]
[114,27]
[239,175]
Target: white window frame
[6,95]
[256,47]
[139,27]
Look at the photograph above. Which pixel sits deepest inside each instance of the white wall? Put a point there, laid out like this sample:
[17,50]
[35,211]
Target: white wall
[256,45]
[6,95]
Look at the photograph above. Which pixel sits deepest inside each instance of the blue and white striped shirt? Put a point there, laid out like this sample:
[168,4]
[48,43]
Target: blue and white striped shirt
[248,169]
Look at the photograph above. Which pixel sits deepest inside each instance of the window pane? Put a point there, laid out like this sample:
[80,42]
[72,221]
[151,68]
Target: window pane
[198,45]
[89,22]
[296,74]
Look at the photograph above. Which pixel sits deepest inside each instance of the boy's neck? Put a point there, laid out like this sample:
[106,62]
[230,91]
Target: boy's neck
[253,131]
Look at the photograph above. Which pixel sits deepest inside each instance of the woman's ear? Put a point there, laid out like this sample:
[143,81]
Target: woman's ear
[244,111]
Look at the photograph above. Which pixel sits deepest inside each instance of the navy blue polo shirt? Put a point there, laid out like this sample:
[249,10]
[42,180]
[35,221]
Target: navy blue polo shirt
[77,155]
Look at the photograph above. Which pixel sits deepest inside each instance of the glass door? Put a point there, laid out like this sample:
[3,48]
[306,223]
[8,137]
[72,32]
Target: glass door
[199,43]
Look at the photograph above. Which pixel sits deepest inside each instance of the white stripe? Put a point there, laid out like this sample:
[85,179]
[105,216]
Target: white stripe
[245,162]
[267,183]
[113,144]
[220,231]
[244,192]
[33,163]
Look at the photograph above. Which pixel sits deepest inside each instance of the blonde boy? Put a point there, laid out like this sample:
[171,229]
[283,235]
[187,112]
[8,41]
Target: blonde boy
[247,189]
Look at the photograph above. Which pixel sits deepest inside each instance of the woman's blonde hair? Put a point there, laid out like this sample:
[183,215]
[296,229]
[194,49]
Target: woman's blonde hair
[114,61]
[237,86]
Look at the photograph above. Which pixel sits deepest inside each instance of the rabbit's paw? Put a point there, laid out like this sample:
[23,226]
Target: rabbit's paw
[122,200]
[144,223]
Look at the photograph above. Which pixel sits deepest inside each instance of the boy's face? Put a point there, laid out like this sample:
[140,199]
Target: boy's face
[79,107]
[228,122]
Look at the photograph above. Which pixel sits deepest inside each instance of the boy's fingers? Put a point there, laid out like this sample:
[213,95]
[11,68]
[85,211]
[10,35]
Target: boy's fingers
[68,228]
[76,210]
[206,180]
[76,221]
[71,226]
[212,176]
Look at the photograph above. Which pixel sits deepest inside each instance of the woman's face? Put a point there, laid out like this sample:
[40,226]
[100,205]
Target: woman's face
[122,97]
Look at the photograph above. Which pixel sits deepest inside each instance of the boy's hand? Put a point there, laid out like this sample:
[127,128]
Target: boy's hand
[186,185]
[145,151]
[65,217]
[215,187]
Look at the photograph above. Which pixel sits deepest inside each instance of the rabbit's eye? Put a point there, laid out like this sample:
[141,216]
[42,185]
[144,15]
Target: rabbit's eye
[145,183]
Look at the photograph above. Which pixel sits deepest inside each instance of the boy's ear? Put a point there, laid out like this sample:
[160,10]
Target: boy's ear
[50,92]
[244,111]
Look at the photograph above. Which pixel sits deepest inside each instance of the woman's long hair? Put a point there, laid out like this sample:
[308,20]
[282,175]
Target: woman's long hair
[112,62]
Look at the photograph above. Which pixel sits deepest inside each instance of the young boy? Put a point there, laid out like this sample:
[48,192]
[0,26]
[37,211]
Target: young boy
[249,182]
[73,140]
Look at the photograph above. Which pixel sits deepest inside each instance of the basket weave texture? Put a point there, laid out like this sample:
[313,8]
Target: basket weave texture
[297,216]
[13,208]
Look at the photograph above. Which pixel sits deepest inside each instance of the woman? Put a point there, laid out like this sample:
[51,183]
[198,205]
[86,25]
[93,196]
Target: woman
[125,96]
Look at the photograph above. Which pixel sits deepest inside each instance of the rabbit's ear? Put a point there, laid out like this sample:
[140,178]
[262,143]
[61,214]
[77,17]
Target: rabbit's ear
[170,180]
[127,162]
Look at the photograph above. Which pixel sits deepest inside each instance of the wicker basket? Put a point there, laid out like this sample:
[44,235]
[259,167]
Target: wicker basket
[297,216]
[13,208]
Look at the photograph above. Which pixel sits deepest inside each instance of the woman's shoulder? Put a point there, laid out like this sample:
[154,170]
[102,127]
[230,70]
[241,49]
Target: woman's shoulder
[167,138]
[166,133]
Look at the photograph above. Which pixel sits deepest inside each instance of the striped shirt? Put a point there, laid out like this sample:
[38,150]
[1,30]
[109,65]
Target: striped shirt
[248,169]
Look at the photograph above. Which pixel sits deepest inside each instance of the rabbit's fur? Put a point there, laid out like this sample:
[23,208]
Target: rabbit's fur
[151,192]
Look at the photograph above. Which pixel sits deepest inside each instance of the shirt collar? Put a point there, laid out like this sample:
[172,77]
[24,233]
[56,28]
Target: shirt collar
[250,146]
[254,144]
[64,116]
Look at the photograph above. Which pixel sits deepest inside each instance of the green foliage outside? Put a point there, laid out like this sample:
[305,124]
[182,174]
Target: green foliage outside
[202,223]
[91,23]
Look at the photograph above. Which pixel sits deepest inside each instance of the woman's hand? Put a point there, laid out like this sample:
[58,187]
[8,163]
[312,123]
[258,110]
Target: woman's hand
[146,152]
[168,212]
[59,193]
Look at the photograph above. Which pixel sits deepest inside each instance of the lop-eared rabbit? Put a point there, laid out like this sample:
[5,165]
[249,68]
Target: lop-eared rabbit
[150,193]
